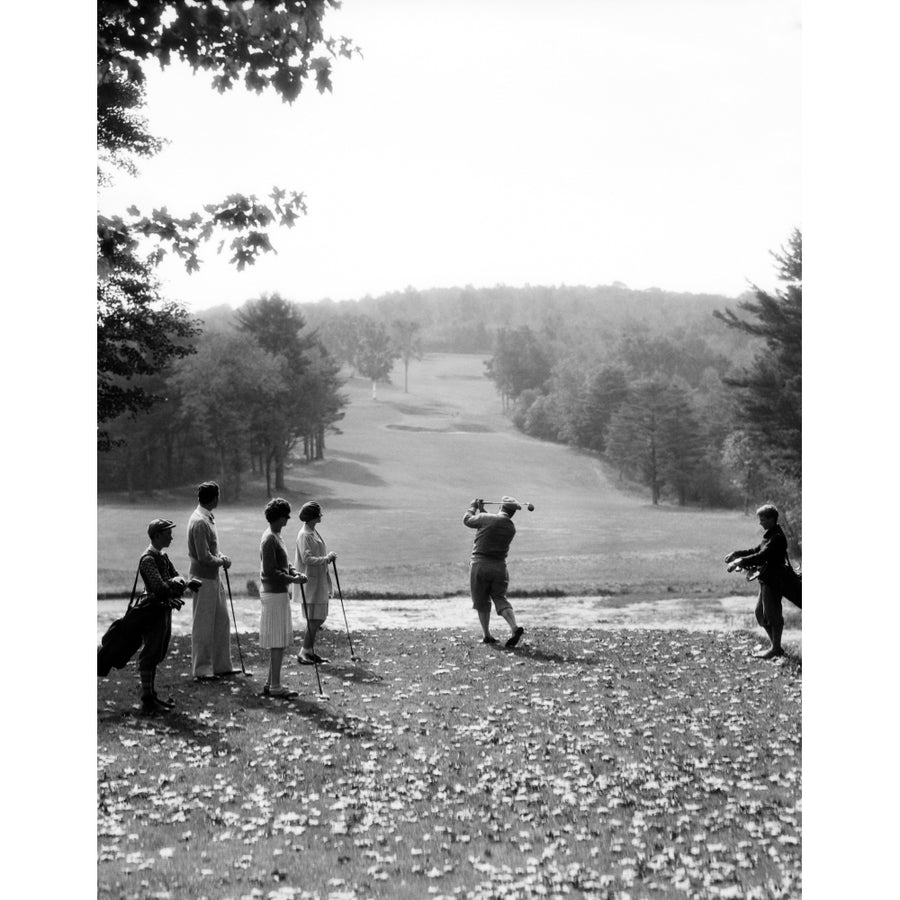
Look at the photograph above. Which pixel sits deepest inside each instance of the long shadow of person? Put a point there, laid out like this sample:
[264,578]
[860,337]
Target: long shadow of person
[536,653]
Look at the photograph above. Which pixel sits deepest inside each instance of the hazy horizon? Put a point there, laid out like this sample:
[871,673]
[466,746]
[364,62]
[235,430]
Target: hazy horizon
[490,143]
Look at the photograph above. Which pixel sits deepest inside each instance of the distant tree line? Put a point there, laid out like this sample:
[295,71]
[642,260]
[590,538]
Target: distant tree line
[671,411]
[467,319]
[699,403]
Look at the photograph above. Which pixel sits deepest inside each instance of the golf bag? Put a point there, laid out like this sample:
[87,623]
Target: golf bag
[124,637]
[791,584]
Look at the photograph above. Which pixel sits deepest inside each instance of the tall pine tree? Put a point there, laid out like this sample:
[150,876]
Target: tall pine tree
[770,390]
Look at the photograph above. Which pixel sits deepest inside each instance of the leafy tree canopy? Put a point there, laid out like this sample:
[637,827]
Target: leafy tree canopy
[263,45]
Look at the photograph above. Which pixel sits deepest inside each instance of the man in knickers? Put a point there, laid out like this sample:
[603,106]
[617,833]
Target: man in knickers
[488,575]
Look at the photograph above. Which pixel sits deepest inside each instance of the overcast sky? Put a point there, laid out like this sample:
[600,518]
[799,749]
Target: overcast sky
[479,142]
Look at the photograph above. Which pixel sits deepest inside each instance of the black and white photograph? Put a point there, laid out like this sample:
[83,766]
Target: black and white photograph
[444,453]
[449,442]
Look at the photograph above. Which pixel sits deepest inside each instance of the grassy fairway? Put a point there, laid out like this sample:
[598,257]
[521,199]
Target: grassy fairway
[396,482]
[597,764]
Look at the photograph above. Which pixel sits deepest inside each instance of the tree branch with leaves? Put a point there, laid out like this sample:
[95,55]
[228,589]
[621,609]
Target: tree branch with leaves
[264,45]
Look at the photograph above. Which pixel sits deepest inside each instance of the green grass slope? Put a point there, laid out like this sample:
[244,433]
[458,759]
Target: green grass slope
[397,480]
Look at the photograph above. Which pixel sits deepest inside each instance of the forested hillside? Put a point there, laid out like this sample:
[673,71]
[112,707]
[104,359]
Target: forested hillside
[694,397]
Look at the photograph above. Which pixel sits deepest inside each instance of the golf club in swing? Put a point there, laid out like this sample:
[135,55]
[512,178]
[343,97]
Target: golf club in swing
[306,616]
[237,636]
[528,506]
[337,580]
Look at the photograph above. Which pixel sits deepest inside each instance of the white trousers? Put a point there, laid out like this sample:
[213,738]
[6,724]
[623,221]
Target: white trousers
[210,630]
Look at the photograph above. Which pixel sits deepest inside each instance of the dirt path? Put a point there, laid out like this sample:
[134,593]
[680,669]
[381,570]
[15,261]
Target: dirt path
[723,614]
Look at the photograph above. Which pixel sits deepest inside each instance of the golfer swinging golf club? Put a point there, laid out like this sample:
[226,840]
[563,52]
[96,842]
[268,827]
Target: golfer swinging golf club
[488,575]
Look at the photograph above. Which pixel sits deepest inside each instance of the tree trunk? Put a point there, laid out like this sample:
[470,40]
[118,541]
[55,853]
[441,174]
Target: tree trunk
[279,469]
[129,474]
[170,454]
[148,468]
[374,392]
[405,376]
[237,479]
[221,477]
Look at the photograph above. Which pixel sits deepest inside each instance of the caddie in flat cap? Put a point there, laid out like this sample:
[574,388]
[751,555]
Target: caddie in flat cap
[158,525]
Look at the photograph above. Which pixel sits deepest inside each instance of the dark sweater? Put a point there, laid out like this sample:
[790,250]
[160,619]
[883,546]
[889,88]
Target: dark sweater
[274,568]
[157,572]
[495,534]
[769,554]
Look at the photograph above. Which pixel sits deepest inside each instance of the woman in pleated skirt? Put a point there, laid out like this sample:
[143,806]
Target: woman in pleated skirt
[276,630]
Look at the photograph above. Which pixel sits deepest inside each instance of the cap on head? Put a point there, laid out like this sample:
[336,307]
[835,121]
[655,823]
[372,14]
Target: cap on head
[509,504]
[309,511]
[157,526]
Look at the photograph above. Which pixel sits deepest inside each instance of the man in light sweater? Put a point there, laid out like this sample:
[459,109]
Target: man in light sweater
[210,631]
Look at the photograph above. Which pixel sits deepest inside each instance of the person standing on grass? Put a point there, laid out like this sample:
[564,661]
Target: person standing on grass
[312,559]
[163,587]
[210,630]
[276,631]
[769,556]
[488,575]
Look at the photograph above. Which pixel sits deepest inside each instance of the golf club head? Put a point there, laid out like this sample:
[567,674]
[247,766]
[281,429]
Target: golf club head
[528,506]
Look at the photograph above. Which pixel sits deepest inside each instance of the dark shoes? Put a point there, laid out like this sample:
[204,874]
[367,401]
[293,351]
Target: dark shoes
[150,706]
[516,635]
[309,658]
[168,704]
[490,639]
[281,692]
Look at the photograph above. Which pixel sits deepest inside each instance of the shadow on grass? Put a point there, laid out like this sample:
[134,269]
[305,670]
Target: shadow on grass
[356,672]
[529,651]
[320,712]
[185,723]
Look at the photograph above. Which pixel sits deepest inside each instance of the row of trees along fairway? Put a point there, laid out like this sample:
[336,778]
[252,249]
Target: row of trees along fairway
[258,385]
[264,45]
[668,410]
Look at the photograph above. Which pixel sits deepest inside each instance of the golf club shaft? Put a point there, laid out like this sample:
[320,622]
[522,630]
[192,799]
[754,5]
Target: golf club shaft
[341,596]
[237,636]
[528,506]
[306,616]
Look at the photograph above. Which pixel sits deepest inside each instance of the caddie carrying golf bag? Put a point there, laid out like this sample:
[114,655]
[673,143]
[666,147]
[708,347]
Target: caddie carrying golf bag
[123,638]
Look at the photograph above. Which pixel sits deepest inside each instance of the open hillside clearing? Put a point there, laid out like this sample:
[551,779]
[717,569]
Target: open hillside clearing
[396,481]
